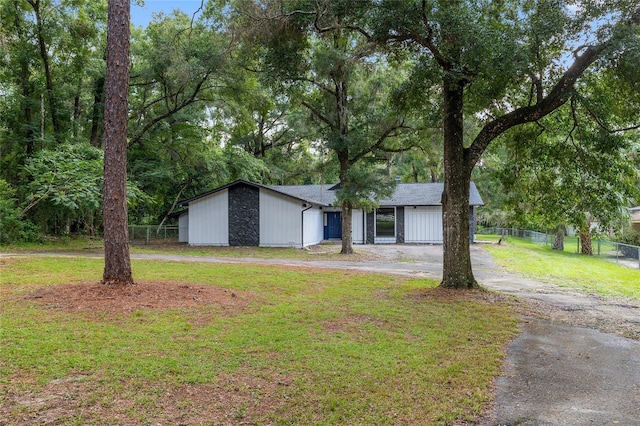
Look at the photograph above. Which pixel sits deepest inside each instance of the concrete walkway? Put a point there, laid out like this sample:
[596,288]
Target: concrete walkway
[572,368]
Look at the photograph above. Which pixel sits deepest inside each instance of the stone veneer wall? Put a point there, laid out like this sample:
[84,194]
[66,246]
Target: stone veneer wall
[400,224]
[371,223]
[244,216]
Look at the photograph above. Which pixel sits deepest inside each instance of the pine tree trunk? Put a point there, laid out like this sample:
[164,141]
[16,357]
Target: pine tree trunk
[558,242]
[117,268]
[457,272]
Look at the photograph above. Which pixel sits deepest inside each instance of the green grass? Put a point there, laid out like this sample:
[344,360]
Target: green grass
[587,273]
[60,244]
[314,347]
[80,244]
[320,252]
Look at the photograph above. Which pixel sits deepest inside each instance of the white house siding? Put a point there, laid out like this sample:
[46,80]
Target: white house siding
[423,224]
[357,226]
[280,220]
[183,228]
[313,226]
[209,220]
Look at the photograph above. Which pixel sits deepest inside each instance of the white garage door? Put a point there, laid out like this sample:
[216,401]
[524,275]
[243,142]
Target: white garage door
[423,224]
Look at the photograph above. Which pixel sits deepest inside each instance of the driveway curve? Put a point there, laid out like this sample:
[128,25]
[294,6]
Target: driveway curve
[569,366]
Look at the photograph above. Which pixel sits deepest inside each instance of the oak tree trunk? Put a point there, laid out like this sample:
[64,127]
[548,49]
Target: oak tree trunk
[347,240]
[117,268]
[457,271]
[346,208]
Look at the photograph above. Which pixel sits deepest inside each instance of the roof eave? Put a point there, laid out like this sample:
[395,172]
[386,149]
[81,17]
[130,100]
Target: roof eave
[253,184]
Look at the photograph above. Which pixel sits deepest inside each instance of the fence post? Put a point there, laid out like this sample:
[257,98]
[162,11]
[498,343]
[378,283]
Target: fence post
[147,242]
[638,257]
[598,247]
[578,245]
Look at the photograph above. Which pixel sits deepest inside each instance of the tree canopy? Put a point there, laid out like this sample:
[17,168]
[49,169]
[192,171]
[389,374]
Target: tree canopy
[329,91]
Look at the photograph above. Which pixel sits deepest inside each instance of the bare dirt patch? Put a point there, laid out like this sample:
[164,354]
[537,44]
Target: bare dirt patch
[6,261]
[353,324]
[446,295]
[240,399]
[92,298]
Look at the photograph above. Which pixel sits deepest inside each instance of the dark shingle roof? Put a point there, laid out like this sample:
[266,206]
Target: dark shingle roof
[318,194]
[405,194]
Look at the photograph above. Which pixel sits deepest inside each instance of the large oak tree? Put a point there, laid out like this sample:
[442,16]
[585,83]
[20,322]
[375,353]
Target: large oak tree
[506,63]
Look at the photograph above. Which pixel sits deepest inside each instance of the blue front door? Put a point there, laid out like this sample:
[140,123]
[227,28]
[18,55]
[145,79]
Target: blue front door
[333,226]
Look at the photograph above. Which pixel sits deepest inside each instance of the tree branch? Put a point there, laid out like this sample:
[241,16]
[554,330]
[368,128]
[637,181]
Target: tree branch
[559,95]
[388,133]
[318,114]
[319,85]
[173,206]
[170,111]
[428,41]
[604,126]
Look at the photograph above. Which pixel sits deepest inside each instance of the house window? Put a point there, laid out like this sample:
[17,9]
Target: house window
[386,222]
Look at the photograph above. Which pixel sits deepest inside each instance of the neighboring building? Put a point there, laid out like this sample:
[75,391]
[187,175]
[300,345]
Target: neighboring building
[244,213]
[635,218]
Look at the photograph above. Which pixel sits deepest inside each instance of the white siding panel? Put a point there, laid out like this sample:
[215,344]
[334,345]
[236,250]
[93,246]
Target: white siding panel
[423,224]
[183,228]
[209,220]
[280,220]
[357,227]
[313,227]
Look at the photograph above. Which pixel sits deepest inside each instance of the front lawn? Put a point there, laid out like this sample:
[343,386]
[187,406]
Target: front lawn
[588,273]
[80,244]
[229,344]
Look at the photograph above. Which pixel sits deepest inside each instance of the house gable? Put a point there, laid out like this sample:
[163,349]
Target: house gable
[208,220]
[280,220]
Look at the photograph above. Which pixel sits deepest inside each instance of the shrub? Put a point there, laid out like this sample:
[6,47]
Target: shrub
[13,227]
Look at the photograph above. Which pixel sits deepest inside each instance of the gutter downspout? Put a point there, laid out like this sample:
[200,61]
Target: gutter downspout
[302,222]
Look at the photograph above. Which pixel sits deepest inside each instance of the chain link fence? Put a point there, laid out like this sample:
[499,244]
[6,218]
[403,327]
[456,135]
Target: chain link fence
[624,254]
[153,234]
